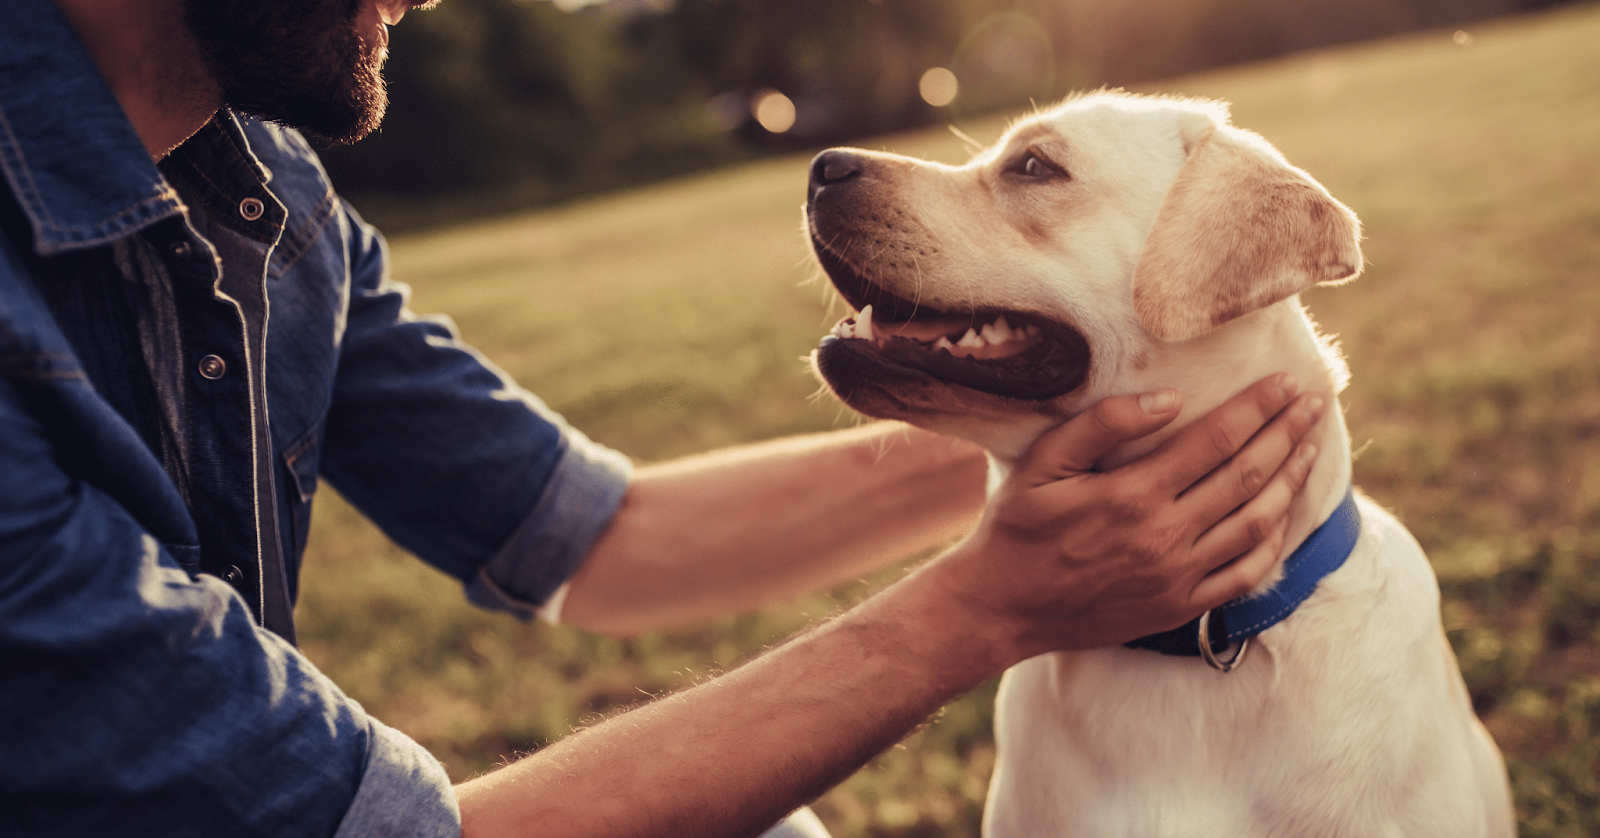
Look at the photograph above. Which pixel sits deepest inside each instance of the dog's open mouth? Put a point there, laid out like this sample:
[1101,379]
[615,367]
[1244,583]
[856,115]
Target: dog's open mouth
[1005,353]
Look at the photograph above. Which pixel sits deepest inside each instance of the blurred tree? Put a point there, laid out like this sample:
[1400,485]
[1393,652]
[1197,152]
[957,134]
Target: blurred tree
[850,66]
[510,95]
[1115,42]
[516,102]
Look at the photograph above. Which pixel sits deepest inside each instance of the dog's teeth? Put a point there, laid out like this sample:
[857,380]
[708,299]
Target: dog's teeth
[971,339]
[997,332]
[864,323]
[943,343]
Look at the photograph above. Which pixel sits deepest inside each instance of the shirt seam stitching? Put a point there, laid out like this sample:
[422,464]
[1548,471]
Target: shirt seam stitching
[27,188]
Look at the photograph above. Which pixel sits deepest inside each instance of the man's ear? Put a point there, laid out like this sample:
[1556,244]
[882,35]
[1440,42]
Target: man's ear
[1240,229]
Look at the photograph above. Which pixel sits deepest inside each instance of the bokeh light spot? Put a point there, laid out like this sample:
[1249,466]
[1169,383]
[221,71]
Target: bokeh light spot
[938,87]
[773,110]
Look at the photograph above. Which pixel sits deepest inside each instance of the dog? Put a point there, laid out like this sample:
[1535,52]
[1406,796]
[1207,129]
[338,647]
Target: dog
[1119,244]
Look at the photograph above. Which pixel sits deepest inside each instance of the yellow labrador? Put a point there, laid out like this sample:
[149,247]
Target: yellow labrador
[1119,244]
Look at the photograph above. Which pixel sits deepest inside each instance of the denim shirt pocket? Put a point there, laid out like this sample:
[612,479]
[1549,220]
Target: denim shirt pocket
[302,461]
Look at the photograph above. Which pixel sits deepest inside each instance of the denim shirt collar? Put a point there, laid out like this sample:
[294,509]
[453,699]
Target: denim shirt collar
[75,163]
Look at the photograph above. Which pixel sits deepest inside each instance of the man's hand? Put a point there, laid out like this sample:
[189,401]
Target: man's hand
[1070,558]
[1064,558]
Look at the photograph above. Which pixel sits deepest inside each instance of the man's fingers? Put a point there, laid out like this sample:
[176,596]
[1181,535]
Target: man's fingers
[1239,479]
[1242,575]
[1198,449]
[1253,522]
[1075,446]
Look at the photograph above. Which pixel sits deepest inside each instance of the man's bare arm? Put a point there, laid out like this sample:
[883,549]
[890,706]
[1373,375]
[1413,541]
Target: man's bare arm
[742,528]
[1062,560]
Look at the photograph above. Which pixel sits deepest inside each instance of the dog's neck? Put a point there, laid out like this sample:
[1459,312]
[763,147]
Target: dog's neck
[1214,367]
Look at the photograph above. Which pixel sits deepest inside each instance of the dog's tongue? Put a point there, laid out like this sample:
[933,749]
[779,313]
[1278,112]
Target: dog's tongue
[927,331]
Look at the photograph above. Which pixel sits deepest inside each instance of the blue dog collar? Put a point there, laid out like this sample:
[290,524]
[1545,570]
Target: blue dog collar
[1319,555]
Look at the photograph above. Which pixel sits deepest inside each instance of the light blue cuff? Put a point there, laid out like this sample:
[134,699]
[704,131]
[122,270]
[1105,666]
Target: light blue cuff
[579,501]
[404,792]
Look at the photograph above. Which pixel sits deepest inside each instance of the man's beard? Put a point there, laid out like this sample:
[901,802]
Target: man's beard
[296,62]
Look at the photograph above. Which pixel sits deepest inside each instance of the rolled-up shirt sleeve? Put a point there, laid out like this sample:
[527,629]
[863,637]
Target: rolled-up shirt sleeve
[139,700]
[451,458]
[527,575]
[404,791]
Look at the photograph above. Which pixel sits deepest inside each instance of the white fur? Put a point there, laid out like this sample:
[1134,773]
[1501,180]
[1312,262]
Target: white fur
[1348,718]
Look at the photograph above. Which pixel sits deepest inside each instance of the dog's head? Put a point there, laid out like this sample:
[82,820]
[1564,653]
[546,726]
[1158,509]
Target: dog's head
[1060,266]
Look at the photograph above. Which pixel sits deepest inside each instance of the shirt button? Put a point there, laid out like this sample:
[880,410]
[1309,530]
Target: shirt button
[251,208]
[212,367]
[233,575]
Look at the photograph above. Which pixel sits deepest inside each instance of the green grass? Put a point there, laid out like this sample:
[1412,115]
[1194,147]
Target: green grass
[670,320]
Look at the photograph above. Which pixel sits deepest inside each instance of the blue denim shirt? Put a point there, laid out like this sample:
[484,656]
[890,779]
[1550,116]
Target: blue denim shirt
[155,496]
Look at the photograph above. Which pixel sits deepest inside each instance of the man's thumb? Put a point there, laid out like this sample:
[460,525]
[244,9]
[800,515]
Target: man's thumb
[1074,447]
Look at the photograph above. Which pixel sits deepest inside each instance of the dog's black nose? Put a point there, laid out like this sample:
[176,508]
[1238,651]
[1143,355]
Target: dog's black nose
[833,166]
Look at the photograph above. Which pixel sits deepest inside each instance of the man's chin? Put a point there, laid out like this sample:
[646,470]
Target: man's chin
[310,70]
[325,122]
[343,126]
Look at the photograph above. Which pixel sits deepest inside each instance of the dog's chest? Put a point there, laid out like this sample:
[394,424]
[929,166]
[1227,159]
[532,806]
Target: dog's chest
[1124,743]
[1335,708]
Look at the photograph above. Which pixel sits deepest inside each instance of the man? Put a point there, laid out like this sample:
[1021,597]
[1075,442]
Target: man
[161,437]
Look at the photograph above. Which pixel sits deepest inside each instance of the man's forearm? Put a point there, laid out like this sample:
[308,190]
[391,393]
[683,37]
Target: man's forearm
[1064,558]
[741,528]
[733,755]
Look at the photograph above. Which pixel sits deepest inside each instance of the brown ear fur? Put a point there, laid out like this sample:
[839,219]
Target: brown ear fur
[1240,229]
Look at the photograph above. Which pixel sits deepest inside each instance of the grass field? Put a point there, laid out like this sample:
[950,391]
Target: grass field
[669,320]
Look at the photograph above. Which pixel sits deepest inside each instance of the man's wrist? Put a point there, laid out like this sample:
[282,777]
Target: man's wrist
[963,640]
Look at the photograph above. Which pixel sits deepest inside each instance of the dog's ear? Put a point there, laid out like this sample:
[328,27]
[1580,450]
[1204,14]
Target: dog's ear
[1240,229]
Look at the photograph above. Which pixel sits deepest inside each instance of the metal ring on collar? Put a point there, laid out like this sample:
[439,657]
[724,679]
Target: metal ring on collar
[1204,633]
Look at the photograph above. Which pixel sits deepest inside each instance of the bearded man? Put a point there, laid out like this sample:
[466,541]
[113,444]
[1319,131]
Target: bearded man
[195,329]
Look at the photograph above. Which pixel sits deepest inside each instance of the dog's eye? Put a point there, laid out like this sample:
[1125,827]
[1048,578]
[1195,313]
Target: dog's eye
[1033,166]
